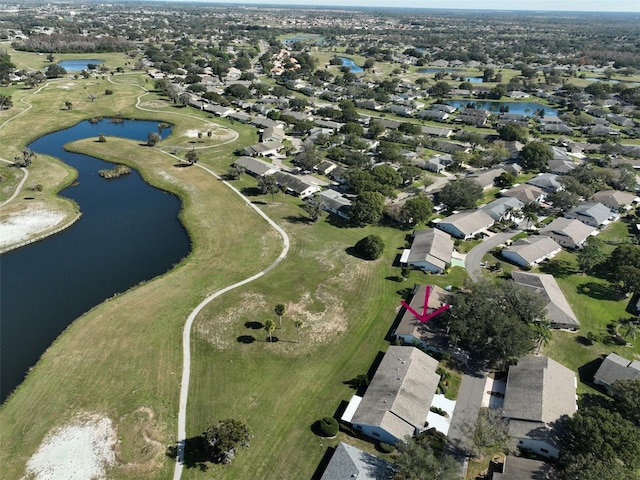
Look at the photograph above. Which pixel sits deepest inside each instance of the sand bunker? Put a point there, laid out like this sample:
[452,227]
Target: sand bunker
[24,225]
[79,451]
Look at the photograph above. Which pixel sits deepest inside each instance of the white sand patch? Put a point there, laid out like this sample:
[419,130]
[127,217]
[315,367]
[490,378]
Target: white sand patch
[80,451]
[22,225]
[67,86]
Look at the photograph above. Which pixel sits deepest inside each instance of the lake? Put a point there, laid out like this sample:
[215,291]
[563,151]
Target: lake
[524,108]
[347,62]
[78,64]
[129,232]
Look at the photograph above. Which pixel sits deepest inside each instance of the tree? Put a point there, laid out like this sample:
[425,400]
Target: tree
[238,91]
[460,193]
[267,184]
[368,207]
[25,159]
[491,430]
[505,179]
[54,71]
[191,157]
[270,326]
[542,330]
[298,324]
[68,104]
[375,129]
[492,320]
[440,89]
[627,398]
[416,210]
[370,247]
[416,461]
[224,438]
[512,133]
[591,255]
[153,138]
[625,267]
[535,156]
[563,200]
[313,208]
[598,437]
[5,102]
[280,309]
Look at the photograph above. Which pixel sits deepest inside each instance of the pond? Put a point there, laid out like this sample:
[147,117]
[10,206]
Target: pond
[524,108]
[79,64]
[129,232]
[347,62]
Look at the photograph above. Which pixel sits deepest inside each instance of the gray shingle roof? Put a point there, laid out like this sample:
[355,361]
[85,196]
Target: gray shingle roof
[433,246]
[255,166]
[400,394]
[499,207]
[525,193]
[539,389]
[558,310]
[590,211]
[518,468]
[532,249]
[468,222]
[615,367]
[350,462]
[574,229]
[614,199]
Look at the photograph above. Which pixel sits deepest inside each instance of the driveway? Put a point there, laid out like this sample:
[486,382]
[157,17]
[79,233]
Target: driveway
[474,257]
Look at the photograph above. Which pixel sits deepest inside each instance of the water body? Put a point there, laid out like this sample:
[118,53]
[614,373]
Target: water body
[524,108]
[473,79]
[78,64]
[347,62]
[594,79]
[129,232]
[440,70]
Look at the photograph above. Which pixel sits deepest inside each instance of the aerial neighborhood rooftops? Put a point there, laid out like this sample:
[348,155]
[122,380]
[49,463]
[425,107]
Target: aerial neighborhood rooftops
[525,193]
[614,367]
[255,167]
[430,251]
[558,310]
[593,214]
[398,398]
[547,182]
[616,199]
[465,224]
[568,232]
[531,250]
[351,462]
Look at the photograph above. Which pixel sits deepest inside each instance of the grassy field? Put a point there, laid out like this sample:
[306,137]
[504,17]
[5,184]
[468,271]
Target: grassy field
[123,358]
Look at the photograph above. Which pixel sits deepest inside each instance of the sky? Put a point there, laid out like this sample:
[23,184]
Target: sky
[537,5]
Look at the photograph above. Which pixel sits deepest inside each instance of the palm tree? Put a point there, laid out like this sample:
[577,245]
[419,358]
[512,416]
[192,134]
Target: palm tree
[280,312]
[269,326]
[632,328]
[298,324]
[542,329]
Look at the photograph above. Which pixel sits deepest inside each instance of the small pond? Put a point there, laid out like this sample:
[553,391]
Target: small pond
[347,62]
[79,64]
[524,108]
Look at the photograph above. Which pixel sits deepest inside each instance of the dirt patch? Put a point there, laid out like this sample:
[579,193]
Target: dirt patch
[78,451]
[140,448]
[26,224]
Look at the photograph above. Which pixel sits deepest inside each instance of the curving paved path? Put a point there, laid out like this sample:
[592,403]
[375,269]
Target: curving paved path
[474,257]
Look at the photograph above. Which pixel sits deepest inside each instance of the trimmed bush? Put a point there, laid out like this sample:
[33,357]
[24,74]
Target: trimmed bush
[329,427]
[386,447]
[370,248]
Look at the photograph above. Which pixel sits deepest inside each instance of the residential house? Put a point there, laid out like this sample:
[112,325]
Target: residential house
[430,251]
[437,132]
[443,107]
[503,208]
[351,462]
[557,128]
[255,167]
[430,335]
[530,251]
[295,185]
[593,214]
[614,367]
[387,123]
[558,311]
[465,224]
[525,193]
[273,134]
[398,398]
[325,167]
[486,178]
[264,149]
[568,233]
[616,200]
[539,393]
[547,182]
[439,163]
[450,147]
[437,115]
[336,203]
[218,110]
[239,117]
[520,468]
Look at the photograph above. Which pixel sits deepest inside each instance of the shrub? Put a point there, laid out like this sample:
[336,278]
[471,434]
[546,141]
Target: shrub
[108,92]
[386,447]
[102,138]
[329,427]
[370,247]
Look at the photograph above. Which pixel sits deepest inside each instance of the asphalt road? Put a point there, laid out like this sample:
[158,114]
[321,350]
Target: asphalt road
[474,257]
